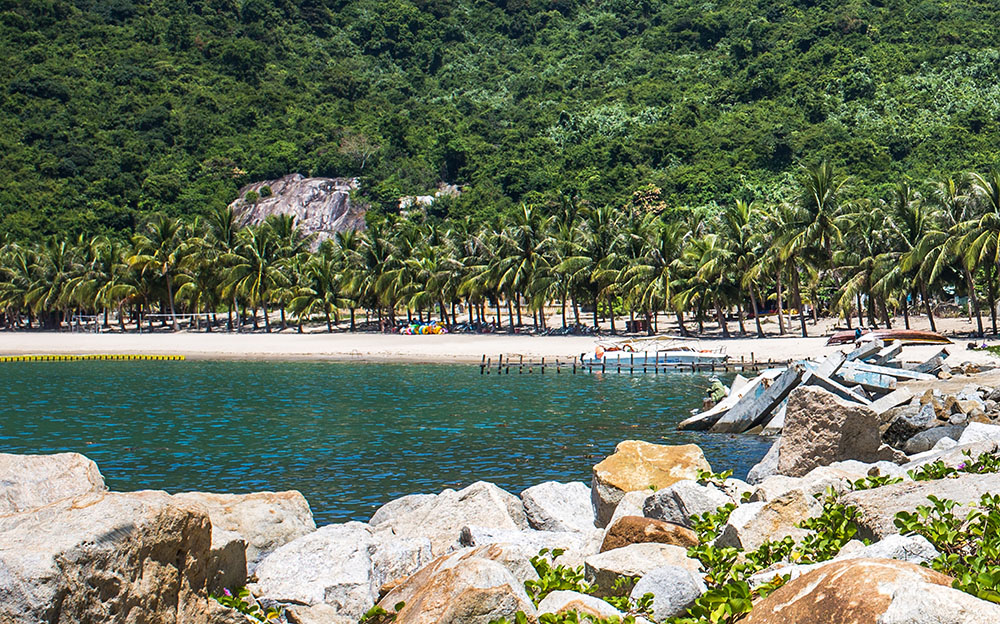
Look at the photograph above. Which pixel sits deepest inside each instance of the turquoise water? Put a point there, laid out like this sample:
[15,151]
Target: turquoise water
[349,436]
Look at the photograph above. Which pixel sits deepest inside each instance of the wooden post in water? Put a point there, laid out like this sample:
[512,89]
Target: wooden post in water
[483,365]
[489,364]
[520,366]
[631,362]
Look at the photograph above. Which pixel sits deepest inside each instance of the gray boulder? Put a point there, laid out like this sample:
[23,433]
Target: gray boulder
[674,589]
[909,423]
[821,428]
[604,569]
[767,466]
[912,548]
[569,601]
[952,456]
[682,500]
[532,542]
[752,524]
[441,518]
[980,432]
[341,565]
[29,481]
[631,504]
[265,520]
[925,440]
[227,562]
[105,557]
[553,506]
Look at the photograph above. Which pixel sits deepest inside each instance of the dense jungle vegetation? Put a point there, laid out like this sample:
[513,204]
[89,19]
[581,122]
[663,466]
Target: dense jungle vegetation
[115,109]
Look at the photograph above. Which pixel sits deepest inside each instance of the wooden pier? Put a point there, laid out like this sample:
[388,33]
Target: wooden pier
[506,364]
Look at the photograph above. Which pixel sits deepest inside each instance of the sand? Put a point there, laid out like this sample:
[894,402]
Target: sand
[451,348]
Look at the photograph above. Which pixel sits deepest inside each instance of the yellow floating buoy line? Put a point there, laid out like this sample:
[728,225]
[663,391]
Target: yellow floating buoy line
[96,356]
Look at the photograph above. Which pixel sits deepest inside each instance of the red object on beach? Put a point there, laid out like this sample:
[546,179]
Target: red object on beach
[906,336]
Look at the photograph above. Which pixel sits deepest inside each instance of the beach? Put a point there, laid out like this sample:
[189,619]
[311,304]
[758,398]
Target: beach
[449,348]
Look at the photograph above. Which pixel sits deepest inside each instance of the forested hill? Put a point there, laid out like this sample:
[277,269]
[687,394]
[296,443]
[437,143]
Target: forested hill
[114,108]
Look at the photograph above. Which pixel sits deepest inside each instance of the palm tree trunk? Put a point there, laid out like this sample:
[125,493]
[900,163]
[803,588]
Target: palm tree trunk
[352,319]
[170,296]
[267,319]
[329,323]
[680,323]
[974,301]
[595,312]
[796,294]
[510,316]
[781,309]
[739,310]
[906,311]
[284,325]
[611,313]
[756,312]
[861,318]
[517,298]
[563,311]
[722,319]
[576,312]
[992,293]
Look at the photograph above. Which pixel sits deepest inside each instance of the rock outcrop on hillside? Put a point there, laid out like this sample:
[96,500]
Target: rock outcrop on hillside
[321,206]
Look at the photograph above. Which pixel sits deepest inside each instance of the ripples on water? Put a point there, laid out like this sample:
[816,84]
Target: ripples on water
[349,436]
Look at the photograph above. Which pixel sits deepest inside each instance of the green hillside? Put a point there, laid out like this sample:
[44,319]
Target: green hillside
[115,108]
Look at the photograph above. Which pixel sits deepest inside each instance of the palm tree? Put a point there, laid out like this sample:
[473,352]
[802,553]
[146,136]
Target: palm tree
[160,252]
[320,286]
[253,269]
[594,266]
[50,293]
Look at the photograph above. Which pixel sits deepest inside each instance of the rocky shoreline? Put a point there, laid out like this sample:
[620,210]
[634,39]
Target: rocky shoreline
[650,536]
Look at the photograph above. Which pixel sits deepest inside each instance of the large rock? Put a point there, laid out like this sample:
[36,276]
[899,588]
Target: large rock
[821,428]
[878,507]
[925,440]
[321,206]
[912,548]
[635,560]
[766,467]
[29,481]
[951,455]
[341,565]
[465,587]
[640,530]
[531,541]
[908,423]
[872,591]
[442,517]
[105,558]
[674,589]
[632,504]
[553,506]
[265,520]
[980,432]
[637,465]
[569,601]
[682,500]
[752,524]
[227,561]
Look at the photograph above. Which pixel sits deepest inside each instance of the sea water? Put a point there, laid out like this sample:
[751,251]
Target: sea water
[349,436]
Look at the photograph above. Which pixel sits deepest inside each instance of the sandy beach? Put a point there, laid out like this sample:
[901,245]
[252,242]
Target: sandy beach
[449,348]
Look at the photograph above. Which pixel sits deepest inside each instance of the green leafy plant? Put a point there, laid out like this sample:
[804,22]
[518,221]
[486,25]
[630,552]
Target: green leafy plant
[833,528]
[553,577]
[378,615]
[244,602]
[872,482]
[713,478]
[933,471]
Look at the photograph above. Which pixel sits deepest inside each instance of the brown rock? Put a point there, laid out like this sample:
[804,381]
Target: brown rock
[639,530]
[637,465]
[871,591]
[821,428]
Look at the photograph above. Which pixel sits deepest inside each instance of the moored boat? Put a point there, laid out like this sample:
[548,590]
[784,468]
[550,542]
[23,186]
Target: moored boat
[906,336]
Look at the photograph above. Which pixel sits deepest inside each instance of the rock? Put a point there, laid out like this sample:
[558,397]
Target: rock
[872,591]
[979,432]
[767,467]
[953,456]
[674,589]
[752,524]
[315,614]
[227,561]
[640,530]
[459,588]
[566,601]
[912,548]
[341,565]
[944,444]
[29,481]
[265,520]
[682,500]
[821,428]
[321,206]
[878,507]
[909,424]
[635,560]
[925,440]
[631,504]
[637,465]
[105,557]
[442,517]
[531,541]
[553,506]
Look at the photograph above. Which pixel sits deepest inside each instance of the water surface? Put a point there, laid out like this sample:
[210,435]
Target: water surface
[349,436]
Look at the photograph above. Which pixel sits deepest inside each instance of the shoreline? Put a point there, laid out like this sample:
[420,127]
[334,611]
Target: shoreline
[402,349]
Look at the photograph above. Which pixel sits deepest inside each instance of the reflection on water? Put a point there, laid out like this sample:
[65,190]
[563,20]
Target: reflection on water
[349,436]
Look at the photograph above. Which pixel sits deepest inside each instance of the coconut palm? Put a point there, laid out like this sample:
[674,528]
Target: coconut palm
[160,252]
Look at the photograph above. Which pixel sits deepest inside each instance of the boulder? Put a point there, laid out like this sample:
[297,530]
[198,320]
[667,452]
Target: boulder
[567,601]
[878,507]
[553,506]
[460,588]
[637,465]
[908,424]
[632,504]
[29,481]
[980,432]
[925,440]
[640,530]
[752,524]
[912,548]
[265,520]
[872,591]
[767,466]
[952,456]
[821,428]
[227,561]
[441,518]
[674,589]
[531,541]
[635,560]
[682,500]
[341,565]
[315,614]
[105,557]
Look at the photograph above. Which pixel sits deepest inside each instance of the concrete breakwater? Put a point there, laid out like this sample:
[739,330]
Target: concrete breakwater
[71,551]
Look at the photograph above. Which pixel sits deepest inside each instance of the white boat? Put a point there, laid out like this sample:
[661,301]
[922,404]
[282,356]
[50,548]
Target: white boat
[672,356]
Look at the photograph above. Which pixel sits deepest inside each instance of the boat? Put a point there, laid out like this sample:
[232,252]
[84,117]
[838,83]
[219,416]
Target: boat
[628,355]
[905,336]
